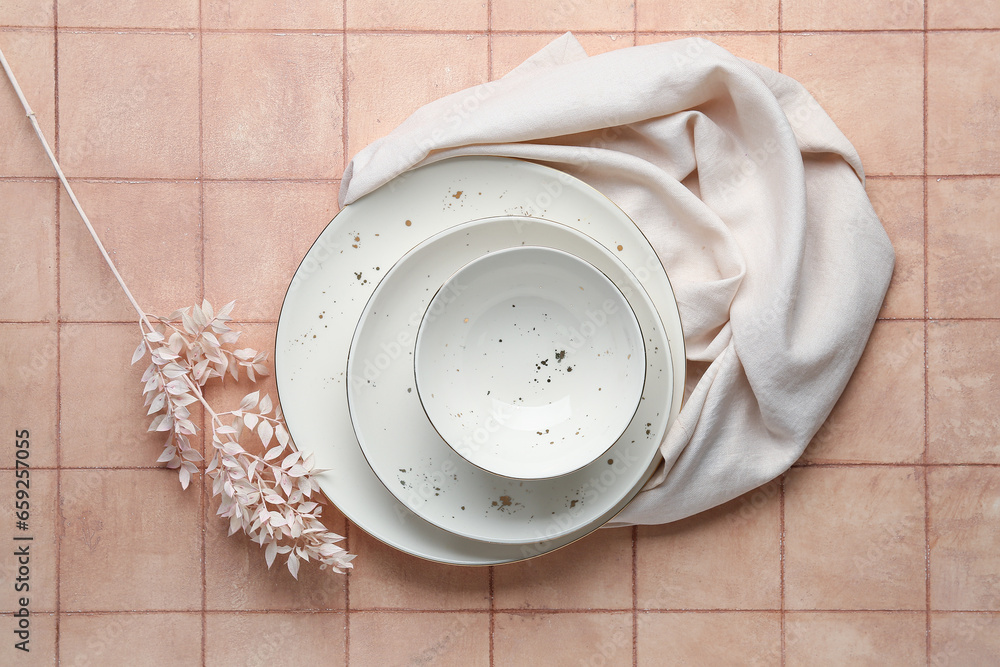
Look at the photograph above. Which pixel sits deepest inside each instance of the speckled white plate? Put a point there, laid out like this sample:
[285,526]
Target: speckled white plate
[338,275]
[419,467]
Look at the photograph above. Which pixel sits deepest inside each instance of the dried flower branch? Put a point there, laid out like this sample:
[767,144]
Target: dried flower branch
[270,502]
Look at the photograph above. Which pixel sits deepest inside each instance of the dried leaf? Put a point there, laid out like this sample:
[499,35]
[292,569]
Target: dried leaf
[265,431]
[158,403]
[140,352]
[250,401]
[225,310]
[270,552]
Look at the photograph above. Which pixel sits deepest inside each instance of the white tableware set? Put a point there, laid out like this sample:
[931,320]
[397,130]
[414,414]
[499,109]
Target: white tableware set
[486,353]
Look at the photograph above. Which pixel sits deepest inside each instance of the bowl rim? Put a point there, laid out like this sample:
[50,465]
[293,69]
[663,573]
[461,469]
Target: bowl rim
[587,266]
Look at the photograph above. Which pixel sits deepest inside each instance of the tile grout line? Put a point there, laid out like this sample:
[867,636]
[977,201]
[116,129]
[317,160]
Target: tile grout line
[635,595]
[489,40]
[492,612]
[781,54]
[781,559]
[58,442]
[512,611]
[347,596]
[926,476]
[321,32]
[203,500]
[343,89]
[635,22]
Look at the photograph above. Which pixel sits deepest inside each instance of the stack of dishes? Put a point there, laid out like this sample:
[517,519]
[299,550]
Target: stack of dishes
[486,354]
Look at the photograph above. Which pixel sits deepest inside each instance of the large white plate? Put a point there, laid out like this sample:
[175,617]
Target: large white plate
[338,275]
[419,467]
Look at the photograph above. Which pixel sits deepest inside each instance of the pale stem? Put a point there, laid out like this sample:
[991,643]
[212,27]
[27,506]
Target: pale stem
[69,189]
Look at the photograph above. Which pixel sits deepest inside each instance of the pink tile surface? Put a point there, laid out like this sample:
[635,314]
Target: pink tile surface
[207,140]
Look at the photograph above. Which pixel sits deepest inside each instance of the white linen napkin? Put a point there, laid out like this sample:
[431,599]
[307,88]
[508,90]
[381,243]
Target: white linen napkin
[754,202]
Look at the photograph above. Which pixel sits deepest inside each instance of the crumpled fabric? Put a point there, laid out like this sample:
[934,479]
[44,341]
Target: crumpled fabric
[752,198]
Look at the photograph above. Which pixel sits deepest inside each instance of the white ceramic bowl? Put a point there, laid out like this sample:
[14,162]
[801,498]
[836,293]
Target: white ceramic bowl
[529,362]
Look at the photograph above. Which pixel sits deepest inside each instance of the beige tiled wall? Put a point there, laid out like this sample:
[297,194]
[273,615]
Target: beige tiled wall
[207,142]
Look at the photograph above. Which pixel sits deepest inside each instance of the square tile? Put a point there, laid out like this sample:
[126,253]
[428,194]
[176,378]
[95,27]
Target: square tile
[31,56]
[707,15]
[255,236]
[962,14]
[713,638]
[611,16]
[28,356]
[963,247]
[28,251]
[879,109]
[964,638]
[880,416]
[272,105]
[571,639]
[854,538]
[424,15]
[761,49]
[152,231]
[594,573]
[176,14]
[965,538]
[237,577]
[963,110]
[509,50]
[313,639]
[37,489]
[130,639]
[899,204]
[128,104]
[28,13]
[726,558]
[852,15]
[855,638]
[392,75]
[131,540]
[385,578]
[420,638]
[962,391]
[272,14]
[41,642]
[104,421]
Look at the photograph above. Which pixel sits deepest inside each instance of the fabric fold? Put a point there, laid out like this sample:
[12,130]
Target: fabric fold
[755,204]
